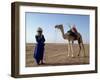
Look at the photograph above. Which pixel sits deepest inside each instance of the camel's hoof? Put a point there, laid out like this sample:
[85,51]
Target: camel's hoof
[67,55]
[72,56]
[85,56]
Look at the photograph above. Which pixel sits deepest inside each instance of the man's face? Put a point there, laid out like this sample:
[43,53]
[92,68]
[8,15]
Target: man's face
[40,32]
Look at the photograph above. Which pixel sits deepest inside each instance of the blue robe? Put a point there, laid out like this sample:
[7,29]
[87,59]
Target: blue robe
[39,48]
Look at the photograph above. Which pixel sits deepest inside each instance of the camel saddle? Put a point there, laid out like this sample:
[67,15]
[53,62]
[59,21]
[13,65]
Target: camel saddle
[72,33]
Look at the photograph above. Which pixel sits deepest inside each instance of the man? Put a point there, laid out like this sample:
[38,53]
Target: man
[39,49]
[73,31]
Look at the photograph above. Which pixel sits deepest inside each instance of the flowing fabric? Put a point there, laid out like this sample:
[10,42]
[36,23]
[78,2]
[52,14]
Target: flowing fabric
[39,48]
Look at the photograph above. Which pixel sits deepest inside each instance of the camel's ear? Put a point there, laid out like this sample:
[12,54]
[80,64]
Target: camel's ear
[56,26]
[61,24]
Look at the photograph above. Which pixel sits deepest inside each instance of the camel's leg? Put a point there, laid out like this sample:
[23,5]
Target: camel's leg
[79,49]
[83,49]
[81,46]
[72,49]
[68,48]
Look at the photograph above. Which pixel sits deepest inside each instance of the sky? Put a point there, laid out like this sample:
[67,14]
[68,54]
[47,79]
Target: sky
[47,22]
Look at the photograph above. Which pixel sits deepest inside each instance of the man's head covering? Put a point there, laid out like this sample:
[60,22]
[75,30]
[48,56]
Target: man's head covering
[39,29]
[74,28]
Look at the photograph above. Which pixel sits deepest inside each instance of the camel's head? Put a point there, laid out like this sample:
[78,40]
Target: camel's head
[59,26]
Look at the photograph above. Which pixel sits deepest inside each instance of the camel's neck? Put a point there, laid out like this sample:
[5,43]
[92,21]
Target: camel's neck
[62,31]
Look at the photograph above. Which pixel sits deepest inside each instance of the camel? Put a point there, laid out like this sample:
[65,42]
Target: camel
[71,38]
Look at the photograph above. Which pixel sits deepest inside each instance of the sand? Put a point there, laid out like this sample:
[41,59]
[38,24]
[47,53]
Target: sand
[56,54]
